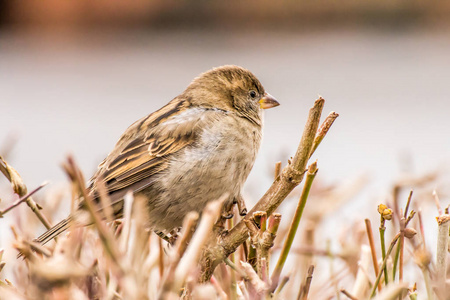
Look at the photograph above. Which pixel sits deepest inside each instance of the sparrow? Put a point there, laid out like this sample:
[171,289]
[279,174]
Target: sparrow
[197,148]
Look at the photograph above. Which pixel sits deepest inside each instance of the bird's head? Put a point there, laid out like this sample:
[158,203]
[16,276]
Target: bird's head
[231,88]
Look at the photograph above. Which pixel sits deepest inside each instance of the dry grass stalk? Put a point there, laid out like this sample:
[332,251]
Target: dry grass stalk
[372,249]
[442,254]
[305,287]
[348,295]
[195,248]
[20,189]
[393,292]
[361,285]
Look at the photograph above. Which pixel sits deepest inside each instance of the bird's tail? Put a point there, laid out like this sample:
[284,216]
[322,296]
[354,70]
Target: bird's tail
[54,231]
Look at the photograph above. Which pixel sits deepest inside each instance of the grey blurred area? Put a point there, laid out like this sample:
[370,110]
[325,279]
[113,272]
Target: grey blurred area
[75,74]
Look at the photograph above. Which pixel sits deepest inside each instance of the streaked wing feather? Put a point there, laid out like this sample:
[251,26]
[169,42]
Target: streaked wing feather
[148,149]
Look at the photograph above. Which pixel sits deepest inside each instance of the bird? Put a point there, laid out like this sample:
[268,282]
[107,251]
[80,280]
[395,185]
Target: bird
[200,146]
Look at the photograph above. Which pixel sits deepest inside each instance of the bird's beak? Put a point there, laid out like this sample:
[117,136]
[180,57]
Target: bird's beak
[268,101]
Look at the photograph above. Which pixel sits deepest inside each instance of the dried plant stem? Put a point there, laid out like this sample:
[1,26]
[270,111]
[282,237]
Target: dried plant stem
[372,249]
[401,246]
[362,282]
[20,188]
[398,260]
[346,293]
[290,177]
[304,288]
[402,237]
[310,175]
[383,266]
[106,237]
[256,285]
[194,249]
[234,267]
[426,279]
[219,289]
[189,223]
[393,292]
[280,287]
[233,284]
[422,230]
[262,237]
[161,258]
[277,170]
[442,248]
[252,260]
[323,129]
[22,199]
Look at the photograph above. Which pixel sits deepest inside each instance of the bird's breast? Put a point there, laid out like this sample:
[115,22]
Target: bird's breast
[217,163]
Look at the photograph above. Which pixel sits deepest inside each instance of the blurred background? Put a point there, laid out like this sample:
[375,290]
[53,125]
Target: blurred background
[75,74]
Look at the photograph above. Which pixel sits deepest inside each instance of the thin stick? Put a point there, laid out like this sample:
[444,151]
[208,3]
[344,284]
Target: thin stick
[235,268]
[105,235]
[422,231]
[233,284]
[323,130]
[189,223]
[372,249]
[194,249]
[22,199]
[20,188]
[442,249]
[161,258]
[283,281]
[304,290]
[344,291]
[407,204]
[437,202]
[402,237]
[277,170]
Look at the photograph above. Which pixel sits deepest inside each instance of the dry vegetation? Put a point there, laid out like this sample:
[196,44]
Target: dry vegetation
[240,258]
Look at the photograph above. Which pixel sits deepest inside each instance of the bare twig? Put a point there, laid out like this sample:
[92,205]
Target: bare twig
[22,199]
[362,282]
[393,292]
[372,249]
[194,249]
[304,289]
[105,235]
[20,188]
[442,249]
[283,281]
[323,129]
[189,223]
[290,177]
[350,296]
[277,170]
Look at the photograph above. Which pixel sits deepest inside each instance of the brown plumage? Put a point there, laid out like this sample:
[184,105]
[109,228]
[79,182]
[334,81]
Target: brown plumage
[198,147]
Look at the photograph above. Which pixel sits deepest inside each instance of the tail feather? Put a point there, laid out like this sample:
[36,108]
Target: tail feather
[54,231]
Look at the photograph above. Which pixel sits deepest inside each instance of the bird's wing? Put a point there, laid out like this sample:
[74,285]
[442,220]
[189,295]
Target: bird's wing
[145,148]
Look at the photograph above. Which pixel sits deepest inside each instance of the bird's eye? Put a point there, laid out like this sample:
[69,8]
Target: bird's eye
[253,94]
